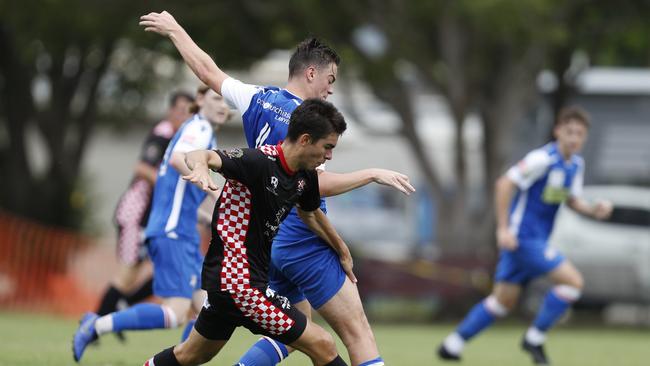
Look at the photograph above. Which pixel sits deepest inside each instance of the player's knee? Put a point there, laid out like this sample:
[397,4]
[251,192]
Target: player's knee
[567,292]
[499,306]
[323,345]
[174,315]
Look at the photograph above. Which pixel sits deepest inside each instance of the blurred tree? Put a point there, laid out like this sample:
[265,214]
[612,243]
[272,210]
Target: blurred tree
[484,58]
[67,66]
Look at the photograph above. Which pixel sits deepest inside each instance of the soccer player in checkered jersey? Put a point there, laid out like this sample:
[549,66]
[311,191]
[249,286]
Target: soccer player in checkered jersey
[296,251]
[171,234]
[133,208]
[527,199]
[262,186]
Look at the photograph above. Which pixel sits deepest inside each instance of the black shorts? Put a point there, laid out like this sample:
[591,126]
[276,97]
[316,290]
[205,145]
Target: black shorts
[262,313]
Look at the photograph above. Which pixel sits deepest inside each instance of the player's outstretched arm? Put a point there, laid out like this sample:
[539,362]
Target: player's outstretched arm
[332,184]
[503,192]
[600,210]
[320,224]
[200,62]
[199,162]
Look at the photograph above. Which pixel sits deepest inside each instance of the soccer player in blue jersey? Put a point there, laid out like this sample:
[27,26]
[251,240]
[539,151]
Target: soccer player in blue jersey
[171,234]
[527,199]
[303,267]
[132,212]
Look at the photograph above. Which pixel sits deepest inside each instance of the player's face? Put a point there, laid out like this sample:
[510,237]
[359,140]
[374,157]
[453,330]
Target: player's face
[322,81]
[214,108]
[179,112]
[571,136]
[317,153]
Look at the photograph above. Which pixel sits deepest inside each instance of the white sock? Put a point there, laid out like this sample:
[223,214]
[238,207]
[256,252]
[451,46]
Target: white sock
[104,324]
[454,343]
[535,336]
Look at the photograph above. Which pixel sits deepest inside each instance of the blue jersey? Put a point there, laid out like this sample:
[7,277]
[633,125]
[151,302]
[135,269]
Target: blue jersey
[175,202]
[265,114]
[544,180]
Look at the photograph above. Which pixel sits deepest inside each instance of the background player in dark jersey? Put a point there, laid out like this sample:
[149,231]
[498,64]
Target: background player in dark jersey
[262,185]
[132,211]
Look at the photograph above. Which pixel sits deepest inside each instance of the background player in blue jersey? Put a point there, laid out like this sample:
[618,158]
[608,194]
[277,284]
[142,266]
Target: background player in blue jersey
[527,199]
[132,212]
[171,234]
[303,266]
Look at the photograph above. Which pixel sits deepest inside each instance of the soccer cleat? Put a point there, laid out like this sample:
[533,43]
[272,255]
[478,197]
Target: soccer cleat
[120,337]
[84,335]
[536,352]
[446,355]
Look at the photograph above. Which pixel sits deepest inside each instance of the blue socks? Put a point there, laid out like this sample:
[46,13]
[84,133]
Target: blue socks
[551,310]
[188,329]
[140,316]
[266,352]
[475,321]
[375,362]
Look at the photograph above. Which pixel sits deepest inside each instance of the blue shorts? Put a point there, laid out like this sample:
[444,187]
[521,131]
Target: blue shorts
[530,260]
[176,267]
[308,269]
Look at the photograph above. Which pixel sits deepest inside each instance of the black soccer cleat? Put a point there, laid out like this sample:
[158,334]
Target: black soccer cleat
[536,352]
[120,337]
[446,355]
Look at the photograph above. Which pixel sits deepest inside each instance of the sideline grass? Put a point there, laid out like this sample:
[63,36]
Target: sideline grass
[31,339]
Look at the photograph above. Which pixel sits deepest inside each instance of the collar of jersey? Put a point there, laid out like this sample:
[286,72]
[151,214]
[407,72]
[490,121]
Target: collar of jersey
[291,95]
[283,161]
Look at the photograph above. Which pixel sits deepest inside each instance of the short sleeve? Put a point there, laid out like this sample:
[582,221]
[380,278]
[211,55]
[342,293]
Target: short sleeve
[529,169]
[237,94]
[241,164]
[578,180]
[196,135]
[310,199]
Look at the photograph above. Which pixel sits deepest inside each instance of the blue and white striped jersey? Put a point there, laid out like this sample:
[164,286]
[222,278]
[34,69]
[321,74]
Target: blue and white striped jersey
[545,180]
[265,114]
[174,208]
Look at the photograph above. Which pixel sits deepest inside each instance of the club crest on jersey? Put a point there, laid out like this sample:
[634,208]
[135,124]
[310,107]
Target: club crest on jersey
[274,185]
[301,185]
[235,153]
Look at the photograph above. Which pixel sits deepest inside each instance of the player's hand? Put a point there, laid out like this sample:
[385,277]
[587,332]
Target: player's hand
[394,179]
[602,210]
[161,23]
[506,239]
[346,263]
[200,176]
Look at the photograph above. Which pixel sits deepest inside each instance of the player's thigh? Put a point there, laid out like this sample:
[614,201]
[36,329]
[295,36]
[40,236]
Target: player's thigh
[344,312]
[305,307]
[507,294]
[197,349]
[566,274]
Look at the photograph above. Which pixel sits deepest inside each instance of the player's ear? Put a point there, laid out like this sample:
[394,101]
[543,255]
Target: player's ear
[304,139]
[310,72]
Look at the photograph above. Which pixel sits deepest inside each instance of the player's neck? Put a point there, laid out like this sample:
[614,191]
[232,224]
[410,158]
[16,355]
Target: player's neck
[290,152]
[297,89]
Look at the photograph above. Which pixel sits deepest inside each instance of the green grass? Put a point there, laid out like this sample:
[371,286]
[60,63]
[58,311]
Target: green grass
[28,339]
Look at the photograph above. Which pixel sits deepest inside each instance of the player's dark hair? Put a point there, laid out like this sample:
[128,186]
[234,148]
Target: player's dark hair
[317,118]
[573,113]
[311,51]
[173,99]
[201,90]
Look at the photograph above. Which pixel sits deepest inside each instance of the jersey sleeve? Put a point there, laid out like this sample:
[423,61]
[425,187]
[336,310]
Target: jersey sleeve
[197,135]
[529,169]
[237,94]
[153,150]
[241,164]
[578,180]
[310,199]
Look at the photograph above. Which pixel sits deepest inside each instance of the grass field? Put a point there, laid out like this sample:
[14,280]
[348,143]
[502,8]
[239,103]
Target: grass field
[42,340]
